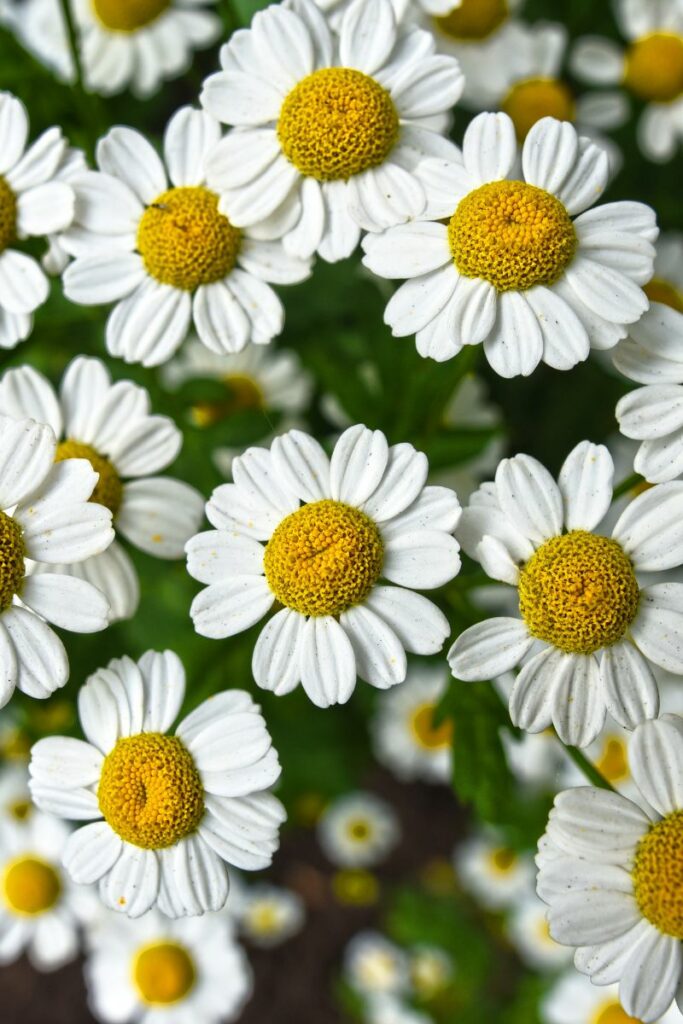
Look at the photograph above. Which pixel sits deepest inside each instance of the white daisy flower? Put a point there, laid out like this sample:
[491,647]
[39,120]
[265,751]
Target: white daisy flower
[32,204]
[40,28]
[15,798]
[333,528]
[110,425]
[45,516]
[358,830]
[612,876]
[528,930]
[332,131]
[405,738]
[492,872]
[268,915]
[167,256]
[375,966]
[335,9]
[157,971]
[431,970]
[574,1000]
[588,629]
[513,266]
[650,69]
[165,811]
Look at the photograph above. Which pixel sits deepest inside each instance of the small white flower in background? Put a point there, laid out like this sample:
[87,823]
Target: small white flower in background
[171,972]
[667,284]
[110,425]
[375,966]
[268,915]
[40,28]
[651,69]
[45,516]
[332,131]
[366,515]
[588,629]
[168,257]
[390,1010]
[528,931]
[470,408]
[494,874]
[165,812]
[335,9]
[33,203]
[612,875]
[15,798]
[358,830]
[521,265]
[431,970]
[536,760]
[405,738]
[574,1000]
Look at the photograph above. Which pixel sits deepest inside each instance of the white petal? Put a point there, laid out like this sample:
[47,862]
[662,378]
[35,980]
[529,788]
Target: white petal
[127,155]
[259,484]
[651,412]
[27,454]
[403,481]
[240,157]
[606,292]
[228,509]
[245,831]
[549,153]
[276,662]
[630,688]
[408,250]
[23,285]
[99,278]
[284,46]
[420,300]
[656,759]
[73,804]
[164,685]
[59,530]
[91,852]
[420,626]
[193,879]
[587,917]
[436,508]
[216,556]
[132,885]
[148,325]
[45,209]
[584,185]
[240,99]
[515,345]
[424,559]
[650,529]
[532,696]
[652,976]
[13,131]
[529,497]
[26,394]
[189,138]
[578,701]
[8,666]
[224,609]
[598,60]
[159,515]
[63,761]
[358,463]
[380,656]
[328,665]
[222,324]
[367,36]
[489,648]
[66,602]
[658,626]
[489,147]
[42,665]
[565,339]
[585,482]
[302,464]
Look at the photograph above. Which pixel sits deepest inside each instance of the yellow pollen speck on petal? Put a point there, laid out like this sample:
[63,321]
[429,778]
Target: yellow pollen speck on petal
[128,15]
[503,860]
[531,99]
[185,241]
[355,887]
[612,1013]
[578,592]
[163,973]
[512,235]
[337,122]
[150,792]
[425,733]
[474,20]
[613,760]
[244,395]
[659,290]
[654,67]
[108,489]
[30,886]
[8,215]
[324,558]
[12,569]
[658,875]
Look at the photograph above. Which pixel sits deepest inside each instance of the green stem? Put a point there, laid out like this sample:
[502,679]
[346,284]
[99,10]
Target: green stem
[84,98]
[595,777]
[627,485]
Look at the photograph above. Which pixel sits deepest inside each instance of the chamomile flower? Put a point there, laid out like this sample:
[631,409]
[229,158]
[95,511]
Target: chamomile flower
[40,28]
[574,1000]
[32,204]
[431,971]
[358,830]
[405,737]
[171,972]
[521,265]
[268,915]
[167,256]
[375,966]
[494,874]
[332,131]
[165,812]
[650,69]
[15,798]
[335,9]
[528,930]
[611,874]
[334,528]
[581,602]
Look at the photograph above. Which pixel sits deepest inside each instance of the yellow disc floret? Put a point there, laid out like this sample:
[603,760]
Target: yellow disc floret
[425,733]
[108,489]
[30,886]
[359,830]
[337,122]
[185,241]
[503,860]
[513,235]
[8,215]
[578,592]
[150,791]
[163,973]
[11,560]
[612,1012]
[658,875]
[654,67]
[474,20]
[533,98]
[244,395]
[128,15]
[659,290]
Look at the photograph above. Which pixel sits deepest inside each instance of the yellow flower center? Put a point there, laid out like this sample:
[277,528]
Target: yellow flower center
[108,489]
[128,15]
[163,973]
[613,1013]
[355,888]
[654,67]
[533,98]
[503,860]
[359,830]
[11,560]
[30,886]
[150,791]
[323,558]
[578,592]
[474,19]
[659,290]
[8,215]
[184,241]
[244,395]
[265,919]
[513,235]
[20,810]
[425,733]
[337,122]
[658,875]
[613,760]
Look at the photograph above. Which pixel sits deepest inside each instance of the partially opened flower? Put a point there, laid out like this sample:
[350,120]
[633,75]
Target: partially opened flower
[269,915]
[332,131]
[333,530]
[358,830]
[492,872]
[612,875]
[589,629]
[374,966]
[165,812]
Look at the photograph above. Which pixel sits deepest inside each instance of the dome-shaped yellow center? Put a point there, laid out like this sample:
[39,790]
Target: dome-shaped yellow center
[654,67]
[503,860]
[11,560]
[128,15]
[513,235]
[425,733]
[474,20]
[359,830]
[578,592]
[20,810]
[163,973]
[8,215]
[324,558]
[108,489]
[531,99]
[244,395]
[658,875]
[185,241]
[612,1013]
[659,290]
[613,760]
[337,122]
[30,886]
[150,791]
